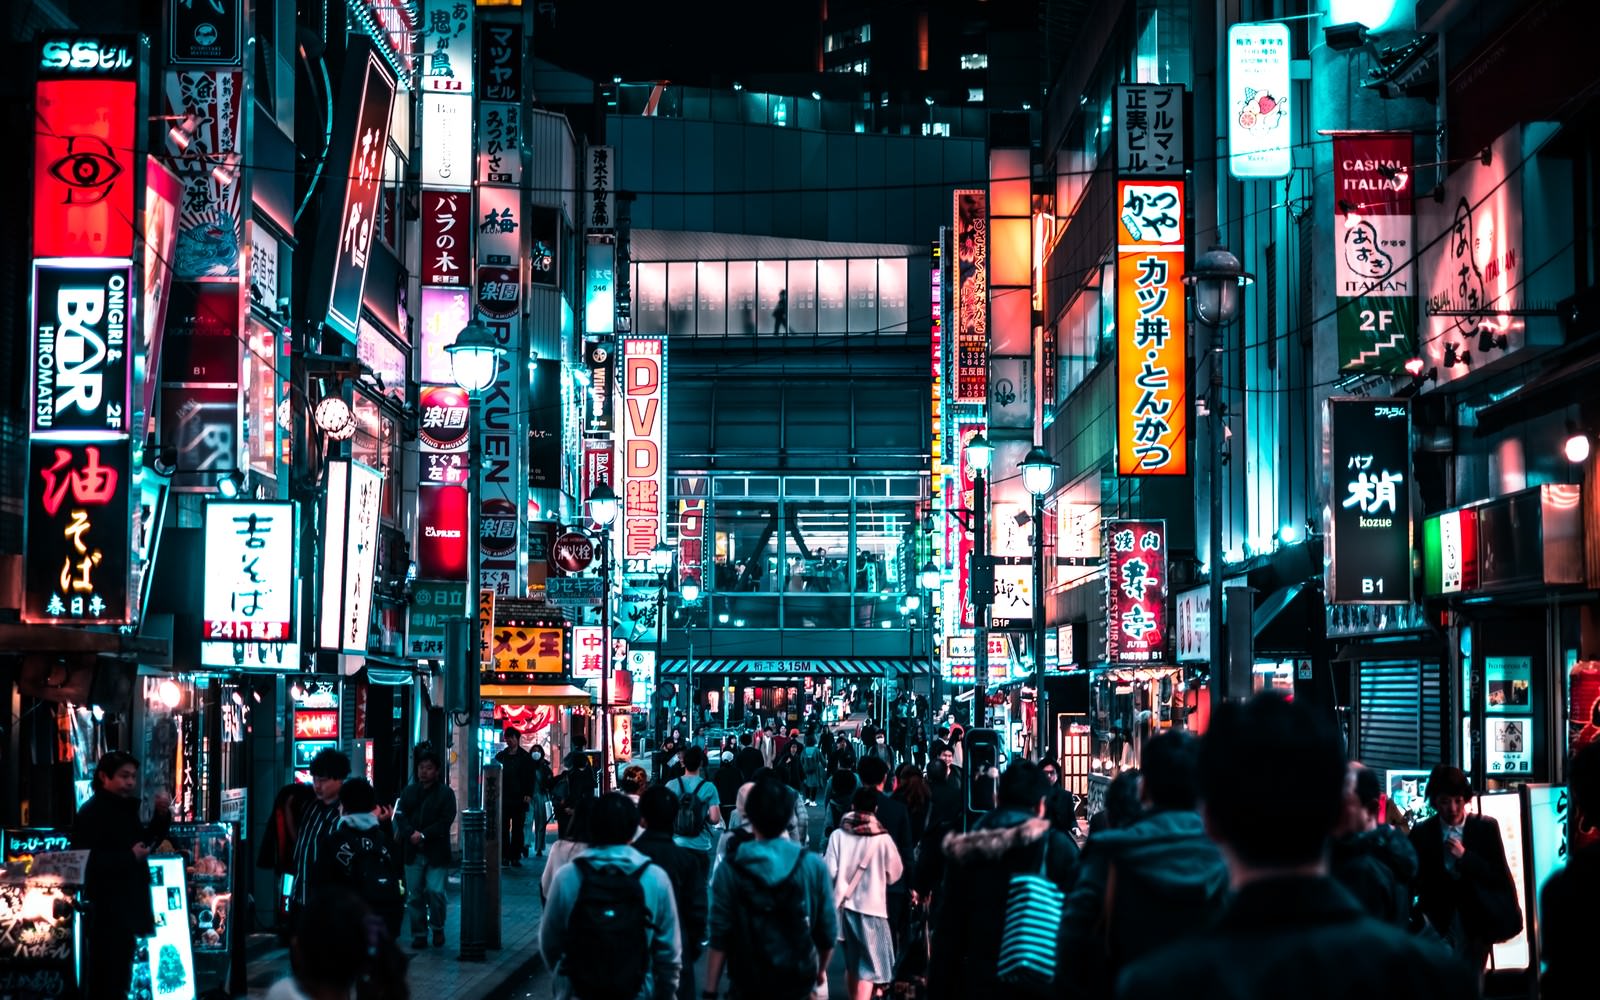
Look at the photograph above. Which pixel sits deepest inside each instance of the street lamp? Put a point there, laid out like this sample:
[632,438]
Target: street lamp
[981,574]
[661,565]
[688,597]
[474,363]
[602,508]
[1215,280]
[1038,477]
[928,579]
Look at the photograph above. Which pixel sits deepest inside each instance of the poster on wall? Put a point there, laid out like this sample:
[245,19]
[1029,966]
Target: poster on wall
[205,150]
[1152,336]
[1368,443]
[1259,113]
[1374,274]
[1136,591]
[971,299]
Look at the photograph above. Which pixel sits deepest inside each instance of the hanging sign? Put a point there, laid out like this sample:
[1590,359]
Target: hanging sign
[1136,591]
[445,46]
[432,603]
[1375,277]
[971,300]
[79,533]
[204,148]
[350,539]
[446,237]
[205,32]
[500,61]
[82,361]
[500,143]
[247,608]
[1368,443]
[1260,132]
[643,399]
[602,200]
[1150,139]
[1152,355]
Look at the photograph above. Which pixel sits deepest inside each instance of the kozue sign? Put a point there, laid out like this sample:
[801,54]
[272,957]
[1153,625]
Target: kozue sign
[572,552]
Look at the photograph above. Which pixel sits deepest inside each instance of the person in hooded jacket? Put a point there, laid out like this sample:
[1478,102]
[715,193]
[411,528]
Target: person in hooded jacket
[1149,883]
[1373,861]
[1014,838]
[863,860]
[362,836]
[543,778]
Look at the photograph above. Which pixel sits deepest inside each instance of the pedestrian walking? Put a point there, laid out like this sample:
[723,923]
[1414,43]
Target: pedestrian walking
[791,767]
[609,930]
[699,810]
[658,809]
[773,923]
[896,818]
[363,857]
[1014,839]
[813,764]
[1464,885]
[863,860]
[539,804]
[1060,806]
[422,824]
[1374,861]
[1148,884]
[1122,806]
[341,947]
[1566,915]
[1289,930]
[727,778]
[517,778]
[748,760]
[911,791]
[574,786]
[328,769]
[117,878]
[573,842]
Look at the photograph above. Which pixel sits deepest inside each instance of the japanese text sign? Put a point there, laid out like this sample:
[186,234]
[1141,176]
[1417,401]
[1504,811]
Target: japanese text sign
[447,140]
[82,364]
[247,607]
[1150,138]
[203,151]
[79,533]
[499,142]
[499,61]
[446,237]
[442,434]
[350,539]
[601,216]
[499,226]
[446,46]
[588,652]
[357,218]
[966,501]
[1260,133]
[692,494]
[528,650]
[1136,591]
[1368,444]
[1152,372]
[642,394]
[444,312]
[971,298]
[432,602]
[1375,284]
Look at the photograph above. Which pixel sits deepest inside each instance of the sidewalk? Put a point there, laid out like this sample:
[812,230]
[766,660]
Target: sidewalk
[437,972]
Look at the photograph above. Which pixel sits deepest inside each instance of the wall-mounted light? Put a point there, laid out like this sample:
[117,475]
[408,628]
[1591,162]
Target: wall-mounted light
[1344,37]
[1288,534]
[231,484]
[1453,357]
[1488,340]
[1577,446]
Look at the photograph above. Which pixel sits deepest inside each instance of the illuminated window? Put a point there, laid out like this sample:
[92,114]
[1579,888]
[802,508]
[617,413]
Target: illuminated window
[975,60]
[974,93]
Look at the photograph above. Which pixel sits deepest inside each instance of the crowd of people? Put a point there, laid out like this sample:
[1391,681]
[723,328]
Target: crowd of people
[1254,861]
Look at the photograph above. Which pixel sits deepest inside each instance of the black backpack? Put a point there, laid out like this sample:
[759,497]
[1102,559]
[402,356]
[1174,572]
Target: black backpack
[693,811]
[607,945]
[375,872]
[772,955]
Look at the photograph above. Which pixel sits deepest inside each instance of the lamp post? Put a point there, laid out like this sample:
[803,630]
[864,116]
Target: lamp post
[981,574]
[928,580]
[1215,280]
[689,596]
[661,565]
[1038,476]
[474,363]
[602,507]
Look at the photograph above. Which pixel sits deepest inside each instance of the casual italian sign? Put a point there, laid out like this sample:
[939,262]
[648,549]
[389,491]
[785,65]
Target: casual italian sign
[1375,276]
[1136,591]
[1369,474]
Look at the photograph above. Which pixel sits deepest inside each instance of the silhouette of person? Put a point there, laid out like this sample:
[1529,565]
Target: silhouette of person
[780,314]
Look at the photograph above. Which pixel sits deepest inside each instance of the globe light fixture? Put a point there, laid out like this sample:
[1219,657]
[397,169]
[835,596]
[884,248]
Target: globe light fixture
[1216,278]
[929,576]
[979,453]
[660,558]
[602,504]
[333,418]
[474,357]
[689,590]
[1038,471]
[1577,446]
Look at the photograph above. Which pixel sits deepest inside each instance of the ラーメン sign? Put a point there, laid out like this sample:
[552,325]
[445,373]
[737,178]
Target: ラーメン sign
[247,608]
[1152,372]
[1368,444]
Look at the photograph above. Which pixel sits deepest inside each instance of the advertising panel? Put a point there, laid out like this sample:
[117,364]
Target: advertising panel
[599,303]
[1505,808]
[432,601]
[352,237]
[1136,591]
[643,469]
[500,61]
[601,199]
[501,481]
[588,653]
[1450,552]
[544,425]
[1150,138]
[598,409]
[82,371]
[205,147]
[170,954]
[499,226]
[597,459]
[350,539]
[1193,609]
[528,649]
[965,541]
[971,300]
[446,140]
[442,433]
[1368,444]
[445,46]
[79,534]
[446,237]
[85,134]
[247,607]
[1374,274]
[1260,132]
[1152,348]
[162,193]
[500,143]
[444,312]
[1012,610]
[205,34]
[691,524]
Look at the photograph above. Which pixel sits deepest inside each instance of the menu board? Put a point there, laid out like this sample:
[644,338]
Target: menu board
[164,967]
[1505,808]
[207,850]
[37,960]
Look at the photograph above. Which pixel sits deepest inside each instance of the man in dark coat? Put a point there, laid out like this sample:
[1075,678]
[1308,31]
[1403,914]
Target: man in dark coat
[1289,930]
[328,769]
[1464,885]
[748,760]
[1148,884]
[516,795]
[1013,839]
[422,825]
[658,807]
[1373,861]
[117,880]
[1566,918]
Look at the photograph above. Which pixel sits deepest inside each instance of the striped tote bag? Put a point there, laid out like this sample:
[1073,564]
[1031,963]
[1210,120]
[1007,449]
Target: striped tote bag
[1034,906]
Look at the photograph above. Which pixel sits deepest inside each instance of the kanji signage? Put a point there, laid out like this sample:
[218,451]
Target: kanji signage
[442,431]
[499,226]
[602,202]
[432,603]
[1012,609]
[643,402]
[444,312]
[248,604]
[588,652]
[351,239]
[82,364]
[1369,500]
[572,552]
[971,298]
[1260,130]
[1375,278]
[499,291]
[441,532]
[446,237]
[967,501]
[205,32]
[86,128]
[599,359]
[1150,139]
[350,539]
[499,142]
[445,46]
[1136,591]
[316,724]
[446,140]
[1152,372]
[527,649]
[79,534]
[204,150]
[692,492]
[500,61]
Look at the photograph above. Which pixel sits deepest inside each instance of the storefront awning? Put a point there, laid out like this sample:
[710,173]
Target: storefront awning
[796,667]
[536,694]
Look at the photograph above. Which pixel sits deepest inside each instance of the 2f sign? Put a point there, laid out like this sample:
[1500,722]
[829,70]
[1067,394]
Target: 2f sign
[1377,320]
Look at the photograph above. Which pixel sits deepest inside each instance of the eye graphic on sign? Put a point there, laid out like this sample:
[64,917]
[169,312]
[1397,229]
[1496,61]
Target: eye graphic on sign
[88,170]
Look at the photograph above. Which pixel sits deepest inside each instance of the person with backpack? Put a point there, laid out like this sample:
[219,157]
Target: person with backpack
[363,857]
[341,949]
[422,825]
[610,926]
[773,922]
[863,860]
[699,809]
[983,945]
[1150,883]
[575,782]
[659,809]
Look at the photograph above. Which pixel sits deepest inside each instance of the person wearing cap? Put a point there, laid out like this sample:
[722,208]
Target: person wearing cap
[1464,885]
[328,769]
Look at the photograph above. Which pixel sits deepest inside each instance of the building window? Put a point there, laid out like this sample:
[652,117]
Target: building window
[975,60]
[974,93]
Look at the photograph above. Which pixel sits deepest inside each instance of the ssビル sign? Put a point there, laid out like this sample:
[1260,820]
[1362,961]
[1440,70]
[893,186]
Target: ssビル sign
[1369,500]
[573,552]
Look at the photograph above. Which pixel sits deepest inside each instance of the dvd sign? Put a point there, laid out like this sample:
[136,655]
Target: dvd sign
[80,350]
[572,552]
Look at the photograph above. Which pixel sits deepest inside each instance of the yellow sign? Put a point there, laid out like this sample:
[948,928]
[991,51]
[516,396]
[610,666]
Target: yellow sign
[1152,380]
[528,649]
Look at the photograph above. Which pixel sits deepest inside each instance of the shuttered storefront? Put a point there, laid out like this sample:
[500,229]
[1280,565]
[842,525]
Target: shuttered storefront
[1400,714]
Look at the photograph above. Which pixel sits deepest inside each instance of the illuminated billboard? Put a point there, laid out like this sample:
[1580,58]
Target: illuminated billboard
[251,590]
[1152,337]
[641,391]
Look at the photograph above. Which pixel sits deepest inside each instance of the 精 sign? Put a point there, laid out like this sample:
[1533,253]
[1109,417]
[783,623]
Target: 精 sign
[82,362]
[1152,364]
[1150,139]
[1260,133]
[971,299]
[247,608]
[1136,591]
[1375,276]
[1369,500]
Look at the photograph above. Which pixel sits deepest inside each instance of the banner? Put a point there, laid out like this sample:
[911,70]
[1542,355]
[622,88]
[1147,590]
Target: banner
[1152,338]
[444,46]
[1375,277]
[643,399]
[971,299]
[1368,443]
[1260,129]
[1136,591]
[205,146]
[446,237]
[82,371]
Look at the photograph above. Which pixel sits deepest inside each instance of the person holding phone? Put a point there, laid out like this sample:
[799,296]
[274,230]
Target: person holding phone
[117,880]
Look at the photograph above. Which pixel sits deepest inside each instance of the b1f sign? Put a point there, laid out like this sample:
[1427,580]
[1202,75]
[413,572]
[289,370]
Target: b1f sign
[1260,129]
